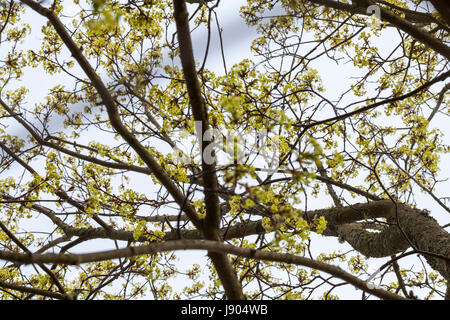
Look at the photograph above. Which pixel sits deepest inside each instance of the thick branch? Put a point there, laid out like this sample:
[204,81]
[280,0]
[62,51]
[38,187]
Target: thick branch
[442,6]
[405,24]
[211,226]
[40,292]
[113,113]
[419,34]
[212,246]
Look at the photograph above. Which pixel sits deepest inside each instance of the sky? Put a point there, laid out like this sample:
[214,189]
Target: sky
[236,41]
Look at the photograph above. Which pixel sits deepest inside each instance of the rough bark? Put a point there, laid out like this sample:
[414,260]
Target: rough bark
[421,230]
[414,227]
[211,223]
[443,7]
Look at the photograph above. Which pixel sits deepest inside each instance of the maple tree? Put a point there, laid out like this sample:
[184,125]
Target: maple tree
[108,179]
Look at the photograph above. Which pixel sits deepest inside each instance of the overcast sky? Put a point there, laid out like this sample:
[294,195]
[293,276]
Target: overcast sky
[236,38]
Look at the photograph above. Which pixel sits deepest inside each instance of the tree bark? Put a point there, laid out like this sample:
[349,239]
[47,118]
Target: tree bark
[443,7]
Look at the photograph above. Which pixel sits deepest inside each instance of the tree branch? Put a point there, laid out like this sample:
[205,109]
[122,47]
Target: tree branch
[113,113]
[40,292]
[213,246]
[211,226]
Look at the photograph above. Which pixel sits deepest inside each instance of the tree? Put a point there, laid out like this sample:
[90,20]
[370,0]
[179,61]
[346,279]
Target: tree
[139,150]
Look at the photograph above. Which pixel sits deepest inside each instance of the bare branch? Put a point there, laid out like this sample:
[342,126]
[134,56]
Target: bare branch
[212,246]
